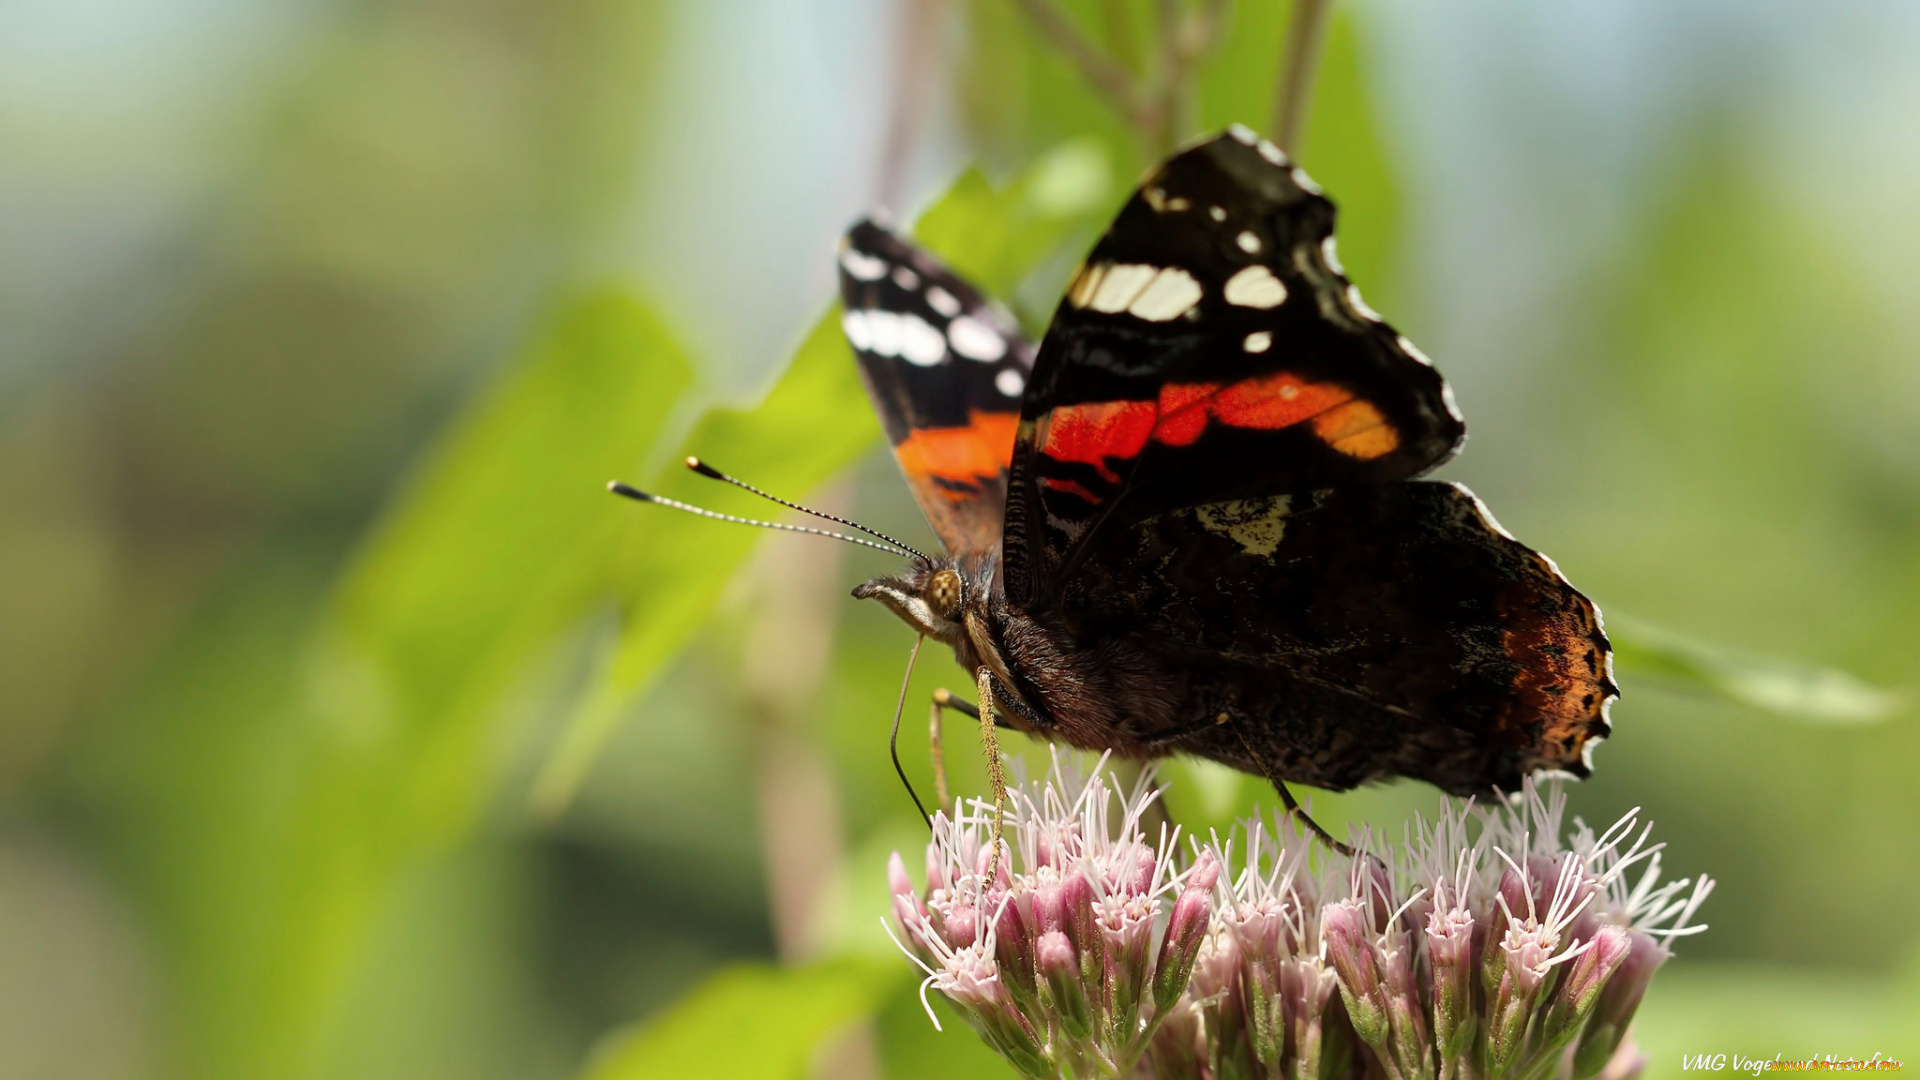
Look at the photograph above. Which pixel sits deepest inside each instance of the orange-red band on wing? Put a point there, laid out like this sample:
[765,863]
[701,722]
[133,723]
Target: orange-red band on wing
[974,454]
[1092,433]
[1096,432]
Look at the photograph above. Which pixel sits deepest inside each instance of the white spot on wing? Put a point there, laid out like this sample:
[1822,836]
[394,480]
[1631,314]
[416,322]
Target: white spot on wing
[920,343]
[1259,341]
[1248,242]
[1161,202]
[942,301]
[1273,153]
[1010,382]
[1085,284]
[1255,287]
[1242,133]
[862,265]
[1332,256]
[1359,305]
[1306,182]
[883,332]
[859,332]
[1171,294]
[1217,213]
[1119,284]
[905,278]
[976,340]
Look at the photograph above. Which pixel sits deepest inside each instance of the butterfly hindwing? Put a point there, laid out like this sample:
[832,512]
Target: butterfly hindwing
[1356,633]
[946,369]
[1211,348]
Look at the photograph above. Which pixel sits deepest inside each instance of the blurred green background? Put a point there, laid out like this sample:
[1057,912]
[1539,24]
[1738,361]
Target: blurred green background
[348,727]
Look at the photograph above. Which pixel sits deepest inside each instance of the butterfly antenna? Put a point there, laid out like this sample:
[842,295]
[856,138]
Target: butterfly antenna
[636,494]
[712,473]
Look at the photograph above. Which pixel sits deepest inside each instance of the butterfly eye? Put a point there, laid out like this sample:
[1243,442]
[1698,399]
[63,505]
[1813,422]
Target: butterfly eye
[943,594]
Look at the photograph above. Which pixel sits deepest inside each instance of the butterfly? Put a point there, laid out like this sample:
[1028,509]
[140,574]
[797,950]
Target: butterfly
[1191,520]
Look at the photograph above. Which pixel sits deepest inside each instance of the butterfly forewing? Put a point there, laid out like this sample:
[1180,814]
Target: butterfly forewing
[1211,347]
[946,369]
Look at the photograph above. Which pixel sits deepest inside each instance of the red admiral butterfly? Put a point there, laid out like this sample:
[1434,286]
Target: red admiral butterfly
[1189,521]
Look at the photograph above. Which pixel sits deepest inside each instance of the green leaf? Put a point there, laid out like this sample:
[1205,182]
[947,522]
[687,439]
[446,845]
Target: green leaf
[748,1021]
[499,544]
[1790,688]
[302,752]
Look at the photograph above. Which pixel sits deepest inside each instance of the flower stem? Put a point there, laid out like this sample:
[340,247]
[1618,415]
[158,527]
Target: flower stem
[1108,76]
[1306,42]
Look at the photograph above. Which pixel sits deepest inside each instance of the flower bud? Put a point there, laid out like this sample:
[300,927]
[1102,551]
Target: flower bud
[1526,950]
[1579,990]
[1060,970]
[1516,895]
[1405,1015]
[1263,1000]
[1619,1000]
[961,927]
[1077,902]
[1013,941]
[1126,921]
[1309,987]
[1185,930]
[1450,952]
[1346,926]
[1047,911]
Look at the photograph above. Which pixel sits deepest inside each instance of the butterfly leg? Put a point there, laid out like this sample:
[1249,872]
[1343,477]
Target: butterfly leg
[1286,797]
[1161,740]
[943,700]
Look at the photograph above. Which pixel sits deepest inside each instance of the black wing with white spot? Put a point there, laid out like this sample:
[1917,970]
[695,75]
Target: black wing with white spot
[1211,348]
[946,369]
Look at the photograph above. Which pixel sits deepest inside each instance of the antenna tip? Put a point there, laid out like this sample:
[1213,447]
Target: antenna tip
[619,488]
[704,469]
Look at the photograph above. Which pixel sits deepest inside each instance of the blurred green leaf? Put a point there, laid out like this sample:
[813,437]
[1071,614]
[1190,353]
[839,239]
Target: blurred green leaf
[379,751]
[748,1021]
[1789,688]
[500,542]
